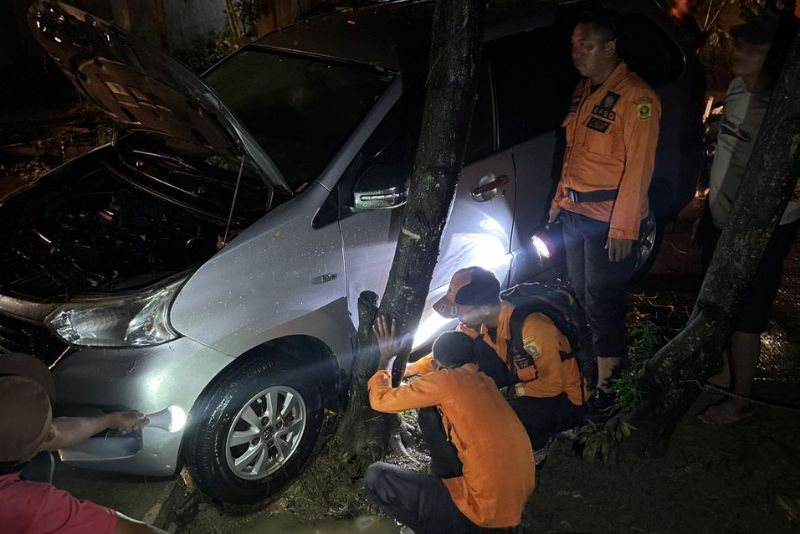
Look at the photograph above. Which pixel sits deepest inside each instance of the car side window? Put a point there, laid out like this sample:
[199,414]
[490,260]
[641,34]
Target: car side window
[648,51]
[394,142]
[533,80]
[482,133]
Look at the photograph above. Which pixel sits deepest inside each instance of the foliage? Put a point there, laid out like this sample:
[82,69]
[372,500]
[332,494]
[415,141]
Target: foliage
[646,339]
[598,441]
[203,53]
[215,45]
[716,50]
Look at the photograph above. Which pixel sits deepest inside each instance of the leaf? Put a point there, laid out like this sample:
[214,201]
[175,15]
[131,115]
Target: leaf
[626,429]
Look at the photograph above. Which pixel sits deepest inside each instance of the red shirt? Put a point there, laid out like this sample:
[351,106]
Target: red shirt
[41,508]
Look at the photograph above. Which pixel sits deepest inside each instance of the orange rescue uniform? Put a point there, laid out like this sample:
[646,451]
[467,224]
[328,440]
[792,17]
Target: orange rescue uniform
[612,133]
[549,376]
[492,444]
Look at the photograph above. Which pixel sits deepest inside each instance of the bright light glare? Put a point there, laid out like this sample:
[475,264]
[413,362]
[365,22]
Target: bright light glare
[540,246]
[177,418]
[429,327]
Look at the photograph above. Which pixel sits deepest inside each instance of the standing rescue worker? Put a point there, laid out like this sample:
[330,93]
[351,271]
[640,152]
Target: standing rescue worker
[496,474]
[601,199]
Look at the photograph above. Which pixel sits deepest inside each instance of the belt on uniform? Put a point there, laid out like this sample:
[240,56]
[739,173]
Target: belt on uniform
[591,196]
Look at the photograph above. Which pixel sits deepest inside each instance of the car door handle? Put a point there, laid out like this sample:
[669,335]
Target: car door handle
[488,189]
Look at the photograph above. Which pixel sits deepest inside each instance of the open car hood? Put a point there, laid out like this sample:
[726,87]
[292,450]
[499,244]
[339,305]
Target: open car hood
[140,87]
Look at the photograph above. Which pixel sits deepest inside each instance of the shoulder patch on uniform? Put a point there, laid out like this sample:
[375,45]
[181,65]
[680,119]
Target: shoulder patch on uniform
[644,107]
[531,347]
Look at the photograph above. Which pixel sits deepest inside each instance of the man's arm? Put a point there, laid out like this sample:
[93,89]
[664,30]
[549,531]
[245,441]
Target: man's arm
[641,116]
[126,525]
[67,431]
[418,394]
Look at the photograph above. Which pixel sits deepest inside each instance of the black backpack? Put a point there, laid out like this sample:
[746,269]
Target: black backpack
[561,307]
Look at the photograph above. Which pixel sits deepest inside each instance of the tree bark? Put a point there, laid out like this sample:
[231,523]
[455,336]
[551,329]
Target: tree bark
[452,87]
[672,380]
[362,435]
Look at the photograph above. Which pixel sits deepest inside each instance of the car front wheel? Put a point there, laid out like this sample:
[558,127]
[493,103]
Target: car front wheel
[253,430]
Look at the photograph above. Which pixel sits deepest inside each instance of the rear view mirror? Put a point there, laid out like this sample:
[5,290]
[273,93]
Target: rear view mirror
[380,187]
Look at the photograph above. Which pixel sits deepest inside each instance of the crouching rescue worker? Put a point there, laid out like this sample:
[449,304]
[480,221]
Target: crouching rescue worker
[26,425]
[64,431]
[497,467]
[601,199]
[547,392]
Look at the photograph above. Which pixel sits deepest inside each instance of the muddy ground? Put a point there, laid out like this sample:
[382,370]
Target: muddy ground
[739,478]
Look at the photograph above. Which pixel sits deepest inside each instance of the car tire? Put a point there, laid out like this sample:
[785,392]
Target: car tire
[648,246]
[272,406]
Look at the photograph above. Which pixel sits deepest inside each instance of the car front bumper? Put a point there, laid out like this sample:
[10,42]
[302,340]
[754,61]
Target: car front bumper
[149,379]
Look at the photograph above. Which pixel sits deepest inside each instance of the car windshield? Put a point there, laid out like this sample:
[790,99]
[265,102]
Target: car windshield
[300,110]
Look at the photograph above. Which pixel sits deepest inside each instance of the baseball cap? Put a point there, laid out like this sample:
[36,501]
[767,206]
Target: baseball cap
[758,30]
[472,286]
[25,365]
[24,418]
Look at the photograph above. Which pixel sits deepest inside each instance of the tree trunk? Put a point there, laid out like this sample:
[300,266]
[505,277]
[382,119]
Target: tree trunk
[452,87]
[672,380]
[362,434]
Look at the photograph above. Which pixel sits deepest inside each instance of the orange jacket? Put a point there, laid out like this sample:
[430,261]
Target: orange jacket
[549,377]
[612,135]
[498,468]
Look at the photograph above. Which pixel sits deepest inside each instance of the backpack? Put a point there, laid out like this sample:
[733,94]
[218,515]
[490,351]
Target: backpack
[561,307]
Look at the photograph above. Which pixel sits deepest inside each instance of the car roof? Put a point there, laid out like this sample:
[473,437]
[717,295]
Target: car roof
[393,35]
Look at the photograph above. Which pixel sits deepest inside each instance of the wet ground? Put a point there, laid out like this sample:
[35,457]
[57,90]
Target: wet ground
[738,478]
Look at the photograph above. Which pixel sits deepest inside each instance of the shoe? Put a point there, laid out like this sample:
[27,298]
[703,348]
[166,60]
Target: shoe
[599,406]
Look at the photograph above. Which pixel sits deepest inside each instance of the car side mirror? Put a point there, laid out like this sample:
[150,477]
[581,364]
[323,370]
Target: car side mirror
[380,187]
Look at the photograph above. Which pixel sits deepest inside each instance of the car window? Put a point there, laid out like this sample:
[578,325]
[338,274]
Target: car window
[481,141]
[648,51]
[394,143]
[533,81]
[300,110]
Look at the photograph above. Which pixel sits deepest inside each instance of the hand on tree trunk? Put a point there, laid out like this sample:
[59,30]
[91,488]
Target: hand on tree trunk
[389,343]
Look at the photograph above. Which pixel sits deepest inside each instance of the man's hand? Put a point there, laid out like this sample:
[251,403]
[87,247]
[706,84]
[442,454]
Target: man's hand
[388,343]
[126,421]
[618,249]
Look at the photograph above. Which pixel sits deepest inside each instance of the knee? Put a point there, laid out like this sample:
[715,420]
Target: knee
[374,475]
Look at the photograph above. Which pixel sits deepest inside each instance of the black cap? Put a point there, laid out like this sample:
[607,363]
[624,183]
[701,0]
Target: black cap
[759,30]
[453,349]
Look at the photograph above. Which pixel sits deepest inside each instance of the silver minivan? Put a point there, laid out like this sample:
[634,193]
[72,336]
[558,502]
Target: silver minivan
[205,265]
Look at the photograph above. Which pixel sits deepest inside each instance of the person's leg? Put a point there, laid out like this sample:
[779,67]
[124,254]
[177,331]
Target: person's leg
[708,242]
[573,251]
[418,501]
[445,462]
[539,416]
[606,287]
[745,345]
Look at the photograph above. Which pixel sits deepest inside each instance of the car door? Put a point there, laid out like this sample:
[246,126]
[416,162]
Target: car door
[533,90]
[479,226]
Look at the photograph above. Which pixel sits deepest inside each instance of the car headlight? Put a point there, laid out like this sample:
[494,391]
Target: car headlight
[139,319]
